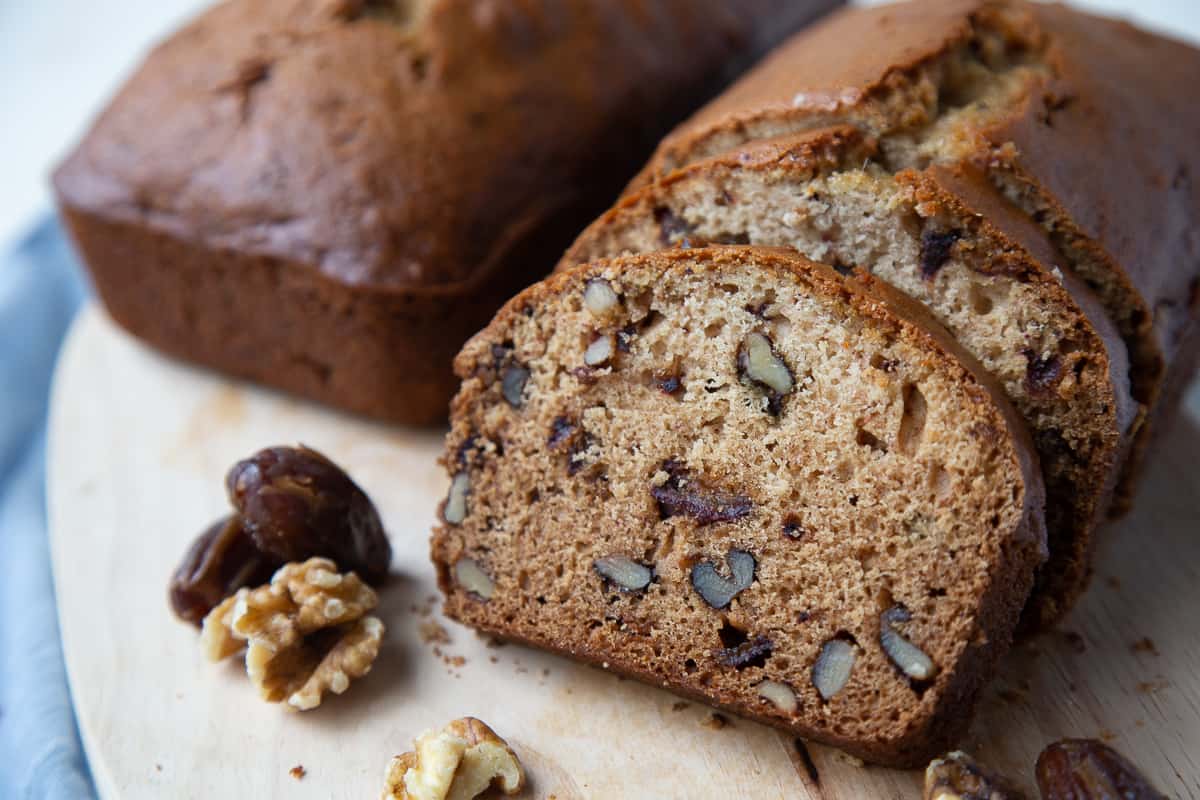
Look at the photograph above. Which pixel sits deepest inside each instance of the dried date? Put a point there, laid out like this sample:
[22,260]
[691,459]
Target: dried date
[683,496]
[295,503]
[222,560]
[1085,769]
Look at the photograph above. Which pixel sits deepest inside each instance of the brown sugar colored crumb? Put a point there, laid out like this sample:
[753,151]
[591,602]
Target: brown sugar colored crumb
[662,556]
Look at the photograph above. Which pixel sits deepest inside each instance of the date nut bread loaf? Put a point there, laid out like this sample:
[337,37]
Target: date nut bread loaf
[736,474]
[1077,119]
[330,196]
[947,238]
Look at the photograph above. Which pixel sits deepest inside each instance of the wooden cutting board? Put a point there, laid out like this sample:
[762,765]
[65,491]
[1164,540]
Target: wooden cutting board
[138,449]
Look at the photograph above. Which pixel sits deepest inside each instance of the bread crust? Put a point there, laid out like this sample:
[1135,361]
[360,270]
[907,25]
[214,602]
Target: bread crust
[895,314]
[435,156]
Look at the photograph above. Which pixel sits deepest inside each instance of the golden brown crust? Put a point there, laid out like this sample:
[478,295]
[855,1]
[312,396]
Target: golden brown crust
[418,163]
[492,440]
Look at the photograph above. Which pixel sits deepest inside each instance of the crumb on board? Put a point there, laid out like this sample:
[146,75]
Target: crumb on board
[1150,687]
[158,767]
[433,632]
[1144,645]
[716,722]
[679,705]
[493,659]
[1075,641]
[298,772]
[1113,582]
[1011,696]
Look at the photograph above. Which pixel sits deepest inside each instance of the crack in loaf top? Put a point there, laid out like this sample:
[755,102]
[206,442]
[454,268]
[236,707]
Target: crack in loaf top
[406,143]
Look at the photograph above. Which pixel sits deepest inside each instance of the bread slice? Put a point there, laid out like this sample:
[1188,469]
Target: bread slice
[735,474]
[948,239]
[1077,119]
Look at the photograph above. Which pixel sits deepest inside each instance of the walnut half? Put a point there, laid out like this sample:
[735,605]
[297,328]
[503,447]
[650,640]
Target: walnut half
[305,633]
[459,762]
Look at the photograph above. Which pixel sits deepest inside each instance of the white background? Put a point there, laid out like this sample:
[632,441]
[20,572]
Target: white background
[61,59]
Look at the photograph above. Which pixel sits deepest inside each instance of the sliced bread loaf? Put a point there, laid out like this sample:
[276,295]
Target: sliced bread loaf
[1077,119]
[736,474]
[948,239]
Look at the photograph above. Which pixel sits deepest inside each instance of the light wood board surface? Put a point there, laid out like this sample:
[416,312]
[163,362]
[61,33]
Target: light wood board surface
[138,450]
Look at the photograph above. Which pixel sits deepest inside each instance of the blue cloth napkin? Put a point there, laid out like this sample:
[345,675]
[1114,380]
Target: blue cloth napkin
[40,753]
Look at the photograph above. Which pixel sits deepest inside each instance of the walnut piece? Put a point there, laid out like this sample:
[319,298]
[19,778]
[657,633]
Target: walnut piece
[624,573]
[780,695]
[599,351]
[305,633]
[471,577]
[459,762]
[599,298]
[719,591]
[957,776]
[911,659]
[832,669]
[455,509]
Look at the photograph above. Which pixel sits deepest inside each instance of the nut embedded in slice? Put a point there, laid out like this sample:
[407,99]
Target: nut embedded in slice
[471,577]
[832,669]
[780,695]
[717,591]
[957,776]
[599,351]
[625,573]
[512,385]
[760,364]
[460,762]
[599,298]
[455,510]
[911,659]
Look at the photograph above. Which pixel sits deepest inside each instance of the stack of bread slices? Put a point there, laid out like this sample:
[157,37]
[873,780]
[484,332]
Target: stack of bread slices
[831,404]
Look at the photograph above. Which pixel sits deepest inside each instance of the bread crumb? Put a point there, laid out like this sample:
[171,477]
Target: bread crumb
[493,659]
[158,767]
[1106,735]
[1144,645]
[716,722]
[853,761]
[1011,696]
[1150,687]
[679,705]
[1075,641]
[298,772]
[433,632]
[1113,582]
